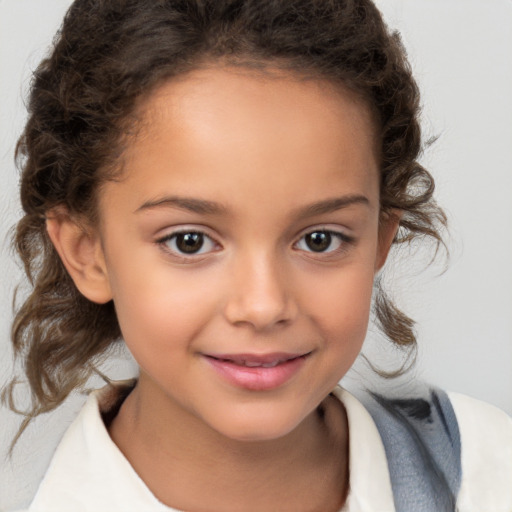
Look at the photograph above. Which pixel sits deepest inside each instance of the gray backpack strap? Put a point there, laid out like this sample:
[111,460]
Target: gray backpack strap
[422,442]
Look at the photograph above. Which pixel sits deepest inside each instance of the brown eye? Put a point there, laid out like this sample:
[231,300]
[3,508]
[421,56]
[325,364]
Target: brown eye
[323,241]
[186,243]
[189,243]
[318,241]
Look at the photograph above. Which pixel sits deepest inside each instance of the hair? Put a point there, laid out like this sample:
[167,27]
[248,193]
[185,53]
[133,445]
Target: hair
[107,55]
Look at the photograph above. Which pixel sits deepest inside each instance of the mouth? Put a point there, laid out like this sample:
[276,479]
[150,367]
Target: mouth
[257,360]
[257,372]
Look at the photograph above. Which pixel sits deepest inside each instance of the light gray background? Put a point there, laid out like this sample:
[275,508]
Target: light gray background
[461,51]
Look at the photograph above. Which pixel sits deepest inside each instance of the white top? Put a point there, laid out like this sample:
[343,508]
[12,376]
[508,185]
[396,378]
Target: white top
[88,472]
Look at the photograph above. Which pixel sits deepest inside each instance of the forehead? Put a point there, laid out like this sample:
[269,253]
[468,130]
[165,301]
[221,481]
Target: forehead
[279,99]
[220,129]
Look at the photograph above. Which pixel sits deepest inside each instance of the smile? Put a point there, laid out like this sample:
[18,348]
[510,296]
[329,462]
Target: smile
[257,372]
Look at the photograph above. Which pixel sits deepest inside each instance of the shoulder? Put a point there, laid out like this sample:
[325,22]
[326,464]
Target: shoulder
[477,416]
[88,472]
[481,422]
[443,450]
[486,455]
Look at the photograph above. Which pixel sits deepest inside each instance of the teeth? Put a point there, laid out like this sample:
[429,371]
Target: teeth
[254,364]
[251,364]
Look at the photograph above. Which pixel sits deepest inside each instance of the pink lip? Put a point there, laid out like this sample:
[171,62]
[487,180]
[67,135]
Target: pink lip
[236,368]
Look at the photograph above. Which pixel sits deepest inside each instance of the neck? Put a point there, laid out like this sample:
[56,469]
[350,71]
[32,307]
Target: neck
[189,466]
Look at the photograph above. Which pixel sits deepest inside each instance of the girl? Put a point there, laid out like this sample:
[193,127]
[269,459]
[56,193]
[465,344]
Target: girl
[219,184]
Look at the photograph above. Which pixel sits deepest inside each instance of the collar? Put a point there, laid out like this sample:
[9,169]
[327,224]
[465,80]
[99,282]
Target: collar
[88,472]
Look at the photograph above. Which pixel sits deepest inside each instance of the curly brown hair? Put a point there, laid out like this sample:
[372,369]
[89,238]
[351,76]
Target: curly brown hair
[110,53]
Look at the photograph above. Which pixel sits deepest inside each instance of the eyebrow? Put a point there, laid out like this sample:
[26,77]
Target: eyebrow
[205,207]
[331,205]
[200,206]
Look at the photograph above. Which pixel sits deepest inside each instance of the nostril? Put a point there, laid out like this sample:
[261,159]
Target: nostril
[259,294]
[259,315]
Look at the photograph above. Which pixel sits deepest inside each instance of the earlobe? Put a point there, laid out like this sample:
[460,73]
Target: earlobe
[81,253]
[388,228]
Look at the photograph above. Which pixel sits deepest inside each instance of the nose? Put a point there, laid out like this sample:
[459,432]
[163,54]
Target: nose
[260,294]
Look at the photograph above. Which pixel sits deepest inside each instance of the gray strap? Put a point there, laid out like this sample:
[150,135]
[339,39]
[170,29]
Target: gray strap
[422,442]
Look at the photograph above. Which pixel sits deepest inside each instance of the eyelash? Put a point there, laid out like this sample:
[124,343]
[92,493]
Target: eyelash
[164,243]
[342,238]
[343,242]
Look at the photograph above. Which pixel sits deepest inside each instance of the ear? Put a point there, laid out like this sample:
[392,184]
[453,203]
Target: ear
[81,253]
[388,227]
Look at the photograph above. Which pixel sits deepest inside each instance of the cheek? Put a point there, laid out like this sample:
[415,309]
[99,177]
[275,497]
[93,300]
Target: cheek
[342,309]
[159,310]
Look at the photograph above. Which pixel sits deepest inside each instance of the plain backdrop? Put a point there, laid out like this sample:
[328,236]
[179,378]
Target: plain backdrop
[461,52]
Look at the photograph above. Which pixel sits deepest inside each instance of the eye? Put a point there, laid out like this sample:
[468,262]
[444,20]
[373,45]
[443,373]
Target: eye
[322,241]
[188,243]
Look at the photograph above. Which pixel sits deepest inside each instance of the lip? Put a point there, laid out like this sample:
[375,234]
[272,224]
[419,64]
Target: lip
[257,372]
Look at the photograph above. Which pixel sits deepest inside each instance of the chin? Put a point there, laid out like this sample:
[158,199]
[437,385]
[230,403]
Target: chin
[258,428]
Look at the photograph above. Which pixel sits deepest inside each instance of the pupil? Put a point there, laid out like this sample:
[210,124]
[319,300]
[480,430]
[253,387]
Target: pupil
[318,241]
[189,243]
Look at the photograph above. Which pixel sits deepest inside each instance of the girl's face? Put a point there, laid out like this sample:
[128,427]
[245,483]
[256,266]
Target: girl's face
[240,246]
